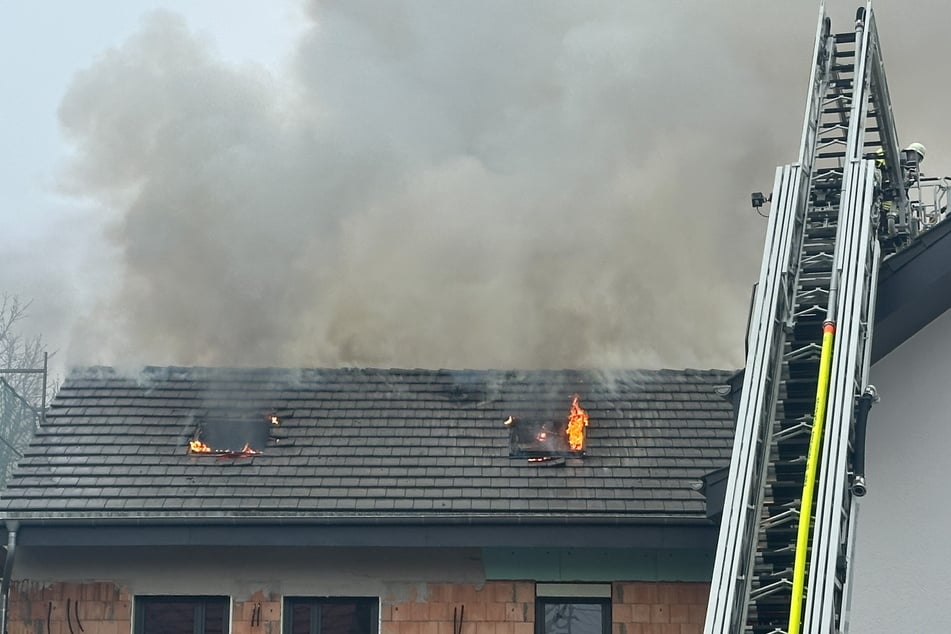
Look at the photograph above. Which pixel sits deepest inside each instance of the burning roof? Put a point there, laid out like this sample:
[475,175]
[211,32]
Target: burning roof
[538,440]
[233,435]
[372,443]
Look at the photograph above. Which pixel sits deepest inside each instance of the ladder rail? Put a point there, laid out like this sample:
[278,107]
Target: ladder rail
[848,361]
[888,131]
[844,621]
[726,607]
[859,259]
[722,606]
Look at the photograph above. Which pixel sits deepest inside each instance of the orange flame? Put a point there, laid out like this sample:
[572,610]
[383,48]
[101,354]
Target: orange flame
[197,446]
[577,421]
[247,450]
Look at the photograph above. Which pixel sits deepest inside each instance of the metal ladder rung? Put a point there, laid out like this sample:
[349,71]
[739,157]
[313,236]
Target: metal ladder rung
[806,351]
[771,588]
[802,427]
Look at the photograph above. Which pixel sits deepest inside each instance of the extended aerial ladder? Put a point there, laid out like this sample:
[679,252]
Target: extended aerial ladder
[784,550]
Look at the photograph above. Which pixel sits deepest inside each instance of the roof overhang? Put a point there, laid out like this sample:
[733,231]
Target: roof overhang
[702,534]
[914,288]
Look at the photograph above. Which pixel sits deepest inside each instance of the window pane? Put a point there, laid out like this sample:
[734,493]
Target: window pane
[300,619]
[330,616]
[167,617]
[215,618]
[573,618]
[338,618]
[181,615]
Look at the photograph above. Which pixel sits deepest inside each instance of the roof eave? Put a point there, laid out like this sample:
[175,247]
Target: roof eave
[914,288]
[463,531]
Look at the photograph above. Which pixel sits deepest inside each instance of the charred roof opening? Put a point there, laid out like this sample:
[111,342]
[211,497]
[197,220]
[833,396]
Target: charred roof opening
[234,434]
[540,439]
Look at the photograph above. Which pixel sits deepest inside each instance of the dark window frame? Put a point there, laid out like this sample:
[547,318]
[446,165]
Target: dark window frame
[201,600]
[604,602]
[314,601]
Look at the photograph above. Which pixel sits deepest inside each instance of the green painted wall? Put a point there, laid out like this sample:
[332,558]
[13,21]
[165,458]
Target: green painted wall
[597,564]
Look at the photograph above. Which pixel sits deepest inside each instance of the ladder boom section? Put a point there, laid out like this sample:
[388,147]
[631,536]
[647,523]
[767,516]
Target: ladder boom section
[858,258]
[820,264]
[772,311]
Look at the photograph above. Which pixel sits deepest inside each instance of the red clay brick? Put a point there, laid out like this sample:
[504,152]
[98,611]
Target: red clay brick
[419,612]
[439,592]
[679,614]
[107,627]
[640,613]
[401,612]
[525,592]
[642,593]
[59,610]
[660,613]
[122,611]
[408,627]
[443,611]
[524,628]
[38,609]
[621,613]
[92,610]
[475,612]
[19,610]
[691,628]
[503,592]
[702,593]
[617,592]
[241,627]
[667,593]
[495,612]
[390,628]
[515,612]
[696,613]
[463,593]
[428,628]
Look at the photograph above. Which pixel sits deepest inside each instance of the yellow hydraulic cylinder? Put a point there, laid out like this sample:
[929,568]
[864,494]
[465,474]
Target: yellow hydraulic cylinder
[809,484]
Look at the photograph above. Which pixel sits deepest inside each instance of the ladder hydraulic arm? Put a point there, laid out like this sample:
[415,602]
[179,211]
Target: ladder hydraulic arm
[783,555]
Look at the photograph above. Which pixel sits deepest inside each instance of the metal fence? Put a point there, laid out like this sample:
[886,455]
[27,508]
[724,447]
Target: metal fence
[18,421]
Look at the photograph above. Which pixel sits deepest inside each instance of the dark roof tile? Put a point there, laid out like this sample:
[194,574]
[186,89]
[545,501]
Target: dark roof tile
[356,442]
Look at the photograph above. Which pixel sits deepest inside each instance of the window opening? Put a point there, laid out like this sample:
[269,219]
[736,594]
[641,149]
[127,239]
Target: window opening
[234,434]
[331,615]
[538,440]
[182,615]
[573,608]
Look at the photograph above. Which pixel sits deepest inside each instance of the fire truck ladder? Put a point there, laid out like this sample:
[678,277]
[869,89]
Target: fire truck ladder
[808,357]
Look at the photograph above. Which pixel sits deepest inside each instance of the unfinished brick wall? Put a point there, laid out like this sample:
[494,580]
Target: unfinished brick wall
[259,614]
[69,608]
[496,607]
[642,607]
[506,607]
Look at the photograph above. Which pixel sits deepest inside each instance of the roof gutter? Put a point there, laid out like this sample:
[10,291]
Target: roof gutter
[491,519]
[7,574]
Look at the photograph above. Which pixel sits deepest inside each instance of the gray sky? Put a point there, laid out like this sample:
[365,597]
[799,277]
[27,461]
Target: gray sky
[441,184]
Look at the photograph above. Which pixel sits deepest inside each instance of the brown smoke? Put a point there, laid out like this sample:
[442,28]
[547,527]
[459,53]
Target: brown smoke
[450,184]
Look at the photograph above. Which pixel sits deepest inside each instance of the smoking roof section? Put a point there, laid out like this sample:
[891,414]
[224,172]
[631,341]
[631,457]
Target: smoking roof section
[372,443]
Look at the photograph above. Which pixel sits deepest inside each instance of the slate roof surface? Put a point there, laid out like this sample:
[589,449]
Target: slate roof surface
[372,444]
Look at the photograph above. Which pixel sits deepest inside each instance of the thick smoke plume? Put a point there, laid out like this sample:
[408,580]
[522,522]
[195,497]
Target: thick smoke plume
[441,184]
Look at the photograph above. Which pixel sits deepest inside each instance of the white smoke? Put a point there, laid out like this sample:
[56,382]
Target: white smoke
[448,184]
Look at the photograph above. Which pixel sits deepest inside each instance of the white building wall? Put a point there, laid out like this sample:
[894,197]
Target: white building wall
[903,550]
